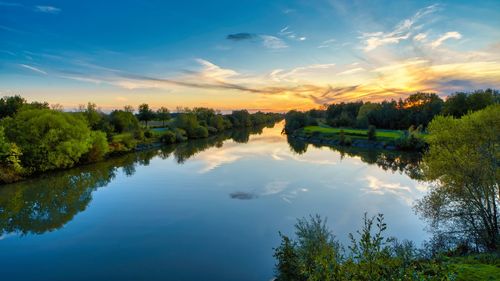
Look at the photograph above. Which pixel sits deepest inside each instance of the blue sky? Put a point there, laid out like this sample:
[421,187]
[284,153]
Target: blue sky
[270,55]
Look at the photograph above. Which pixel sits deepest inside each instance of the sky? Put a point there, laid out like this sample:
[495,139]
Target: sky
[257,55]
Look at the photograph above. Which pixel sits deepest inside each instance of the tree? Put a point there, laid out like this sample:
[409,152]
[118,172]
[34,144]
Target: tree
[295,120]
[163,114]
[91,114]
[128,108]
[123,121]
[48,139]
[11,105]
[145,114]
[188,122]
[241,118]
[463,160]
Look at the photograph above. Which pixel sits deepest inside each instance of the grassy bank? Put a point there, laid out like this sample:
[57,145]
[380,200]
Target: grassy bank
[389,139]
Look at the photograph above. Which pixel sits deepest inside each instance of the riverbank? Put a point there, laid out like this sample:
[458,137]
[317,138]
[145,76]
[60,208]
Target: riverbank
[127,143]
[384,139]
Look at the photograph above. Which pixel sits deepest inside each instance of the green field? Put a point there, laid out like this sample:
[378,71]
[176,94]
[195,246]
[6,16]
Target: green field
[355,133]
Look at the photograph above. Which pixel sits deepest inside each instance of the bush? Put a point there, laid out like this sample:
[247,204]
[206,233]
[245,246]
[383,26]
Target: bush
[168,137]
[199,132]
[99,147]
[180,135]
[372,133]
[316,255]
[48,139]
[149,134]
[139,134]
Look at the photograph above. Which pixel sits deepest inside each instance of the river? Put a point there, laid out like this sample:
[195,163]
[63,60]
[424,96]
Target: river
[204,210]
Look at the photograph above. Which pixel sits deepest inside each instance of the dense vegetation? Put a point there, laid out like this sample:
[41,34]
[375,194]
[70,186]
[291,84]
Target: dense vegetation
[462,207]
[35,138]
[411,115]
[315,254]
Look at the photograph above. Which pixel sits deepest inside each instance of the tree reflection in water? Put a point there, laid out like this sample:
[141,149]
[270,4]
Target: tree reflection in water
[395,161]
[47,203]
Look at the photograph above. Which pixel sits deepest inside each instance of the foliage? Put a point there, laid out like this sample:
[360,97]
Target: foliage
[91,114]
[99,147]
[241,118]
[123,121]
[463,160]
[163,114]
[199,132]
[145,114]
[461,103]
[316,255]
[168,137]
[188,122]
[48,139]
[294,120]
[372,133]
[412,140]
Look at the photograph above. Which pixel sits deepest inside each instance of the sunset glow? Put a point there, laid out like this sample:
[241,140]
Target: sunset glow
[258,55]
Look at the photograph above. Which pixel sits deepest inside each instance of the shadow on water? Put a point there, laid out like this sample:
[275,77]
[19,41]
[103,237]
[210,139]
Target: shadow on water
[48,202]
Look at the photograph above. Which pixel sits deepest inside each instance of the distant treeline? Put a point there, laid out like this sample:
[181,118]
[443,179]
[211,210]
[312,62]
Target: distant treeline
[36,138]
[416,110]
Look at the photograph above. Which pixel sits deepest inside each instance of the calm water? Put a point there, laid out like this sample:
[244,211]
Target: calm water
[206,210]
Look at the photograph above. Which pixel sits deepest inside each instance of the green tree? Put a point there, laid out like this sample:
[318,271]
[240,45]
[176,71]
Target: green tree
[123,121]
[99,147]
[163,114]
[463,160]
[145,114]
[48,139]
[92,114]
[11,105]
[188,122]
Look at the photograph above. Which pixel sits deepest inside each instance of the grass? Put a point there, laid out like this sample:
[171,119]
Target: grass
[476,267]
[354,133]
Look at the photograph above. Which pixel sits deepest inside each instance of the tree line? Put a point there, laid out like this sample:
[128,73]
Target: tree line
[417,110]
[35,137]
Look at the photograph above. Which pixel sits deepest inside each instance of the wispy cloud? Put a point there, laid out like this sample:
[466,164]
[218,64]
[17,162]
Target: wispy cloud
[273,42]
[241,36]
[327,43]
[286,32]
[401,31]
[32,68]
[48,9]
[268,41]
[444,37]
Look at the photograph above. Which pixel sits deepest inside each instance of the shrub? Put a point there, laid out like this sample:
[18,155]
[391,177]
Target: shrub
[168,137]
[99,147]
[149,134]
[372,134]
[199,132]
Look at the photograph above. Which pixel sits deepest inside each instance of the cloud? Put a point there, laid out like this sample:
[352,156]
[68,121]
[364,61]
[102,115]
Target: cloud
[32,68]
[48,9]
[268,41]
[444,37]
[327,43]
[351,71]
[401,31]
[272,42]
[241,36]
[286,32]
[420,37]
[242,195]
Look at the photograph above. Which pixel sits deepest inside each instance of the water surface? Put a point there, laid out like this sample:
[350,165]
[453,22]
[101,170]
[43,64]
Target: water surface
[204,210]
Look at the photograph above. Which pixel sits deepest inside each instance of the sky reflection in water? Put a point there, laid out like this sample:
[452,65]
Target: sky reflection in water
[185,213]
